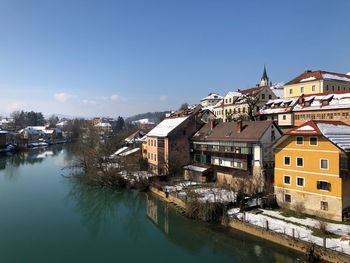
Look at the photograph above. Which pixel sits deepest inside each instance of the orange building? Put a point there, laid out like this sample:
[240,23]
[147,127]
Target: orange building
[312,169]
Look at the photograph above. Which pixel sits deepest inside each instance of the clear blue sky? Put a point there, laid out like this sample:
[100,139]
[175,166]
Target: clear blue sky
[115,58]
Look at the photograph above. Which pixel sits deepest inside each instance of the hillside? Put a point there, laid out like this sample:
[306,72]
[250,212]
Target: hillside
[152,116]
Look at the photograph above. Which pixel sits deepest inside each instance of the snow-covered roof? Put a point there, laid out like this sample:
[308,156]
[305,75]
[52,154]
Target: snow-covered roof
[196,168]
[219,104]
[278,89]
[335,77]
[126,153]
[212,96]
[336,100]
[276,106]
[336,131]
[143,121]
[103,124]
[166,126]
[62,123]
[310,75]
[308,79]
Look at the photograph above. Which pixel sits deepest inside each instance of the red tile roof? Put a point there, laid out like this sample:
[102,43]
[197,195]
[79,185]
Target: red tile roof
[314,74]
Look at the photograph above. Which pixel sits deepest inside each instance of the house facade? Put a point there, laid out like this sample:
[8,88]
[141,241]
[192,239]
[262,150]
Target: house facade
[168,144]
[313,82]
[312,169]
[211,100]
[236,150]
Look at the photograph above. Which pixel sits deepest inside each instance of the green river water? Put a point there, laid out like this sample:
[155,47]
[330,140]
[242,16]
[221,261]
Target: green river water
[46,217]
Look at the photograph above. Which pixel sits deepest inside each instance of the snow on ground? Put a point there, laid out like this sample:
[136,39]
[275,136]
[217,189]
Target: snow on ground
[301,232]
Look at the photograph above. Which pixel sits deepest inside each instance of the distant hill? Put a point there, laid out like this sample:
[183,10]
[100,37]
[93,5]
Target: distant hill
[152,116]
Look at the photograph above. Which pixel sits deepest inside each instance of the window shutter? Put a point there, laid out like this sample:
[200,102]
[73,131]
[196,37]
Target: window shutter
[318,184]
[329,187]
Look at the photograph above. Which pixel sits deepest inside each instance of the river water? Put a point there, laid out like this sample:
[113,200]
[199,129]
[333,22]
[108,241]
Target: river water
[47,217]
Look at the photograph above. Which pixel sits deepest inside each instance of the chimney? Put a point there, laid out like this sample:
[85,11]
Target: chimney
[212,124]
[239,126]
[301,99]
[238,89]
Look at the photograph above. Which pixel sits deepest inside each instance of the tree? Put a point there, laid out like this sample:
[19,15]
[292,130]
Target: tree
[120,124]
[184,106]
[252,101]
[53,120]
[23,119]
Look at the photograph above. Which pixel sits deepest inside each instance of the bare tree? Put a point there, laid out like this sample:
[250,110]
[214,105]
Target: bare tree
[252,101]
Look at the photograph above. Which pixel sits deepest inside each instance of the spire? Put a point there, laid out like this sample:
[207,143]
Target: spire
[264,79]
[264,76]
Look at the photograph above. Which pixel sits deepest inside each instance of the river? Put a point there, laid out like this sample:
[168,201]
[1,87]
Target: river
[47,217]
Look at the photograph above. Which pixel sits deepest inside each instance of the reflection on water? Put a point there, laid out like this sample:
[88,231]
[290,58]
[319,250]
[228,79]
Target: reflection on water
[69,221]
[193,236]
[11,163]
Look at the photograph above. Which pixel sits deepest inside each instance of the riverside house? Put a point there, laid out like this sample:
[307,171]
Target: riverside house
[236,151]
[312,169]
[168,144]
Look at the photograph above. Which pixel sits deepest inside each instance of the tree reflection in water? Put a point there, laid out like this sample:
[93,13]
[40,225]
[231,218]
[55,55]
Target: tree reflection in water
[100,207]
[11,163]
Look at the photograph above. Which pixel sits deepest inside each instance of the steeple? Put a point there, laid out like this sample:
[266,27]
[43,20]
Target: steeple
[264,79]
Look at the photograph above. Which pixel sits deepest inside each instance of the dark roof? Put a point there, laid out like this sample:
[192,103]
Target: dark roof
[251,91]
[252,131]
[317,75]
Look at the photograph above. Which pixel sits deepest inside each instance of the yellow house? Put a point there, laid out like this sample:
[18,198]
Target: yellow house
[312,169]
[312,82]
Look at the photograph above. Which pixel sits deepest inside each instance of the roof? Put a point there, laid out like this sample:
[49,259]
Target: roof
[336,131]
[251,91]
[135,137]
[143,121]
[196,168]
[212,96]
[319,75]
[166,126]
[278,106]
[126,153]
[336,100]
[252,131]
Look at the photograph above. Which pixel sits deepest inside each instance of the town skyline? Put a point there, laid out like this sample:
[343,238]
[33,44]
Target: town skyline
[122,58]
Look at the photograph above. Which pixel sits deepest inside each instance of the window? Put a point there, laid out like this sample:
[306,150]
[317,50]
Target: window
[313,140]
[197,157]
[287,198]
[270,96]
[301,89]
[323,185]
[324,164]
[300,140]
[324,205]
[284,117]
[286,179]
[300,161]
[263,96]
[290,91]
[155,157]
[313,88]
[148,155]
[300,181]
[286,160]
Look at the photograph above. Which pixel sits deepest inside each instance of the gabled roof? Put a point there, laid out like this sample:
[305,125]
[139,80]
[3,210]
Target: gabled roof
[212,96]
[251,131]
[251,91]
[166,126]
[336,131]
[319,75]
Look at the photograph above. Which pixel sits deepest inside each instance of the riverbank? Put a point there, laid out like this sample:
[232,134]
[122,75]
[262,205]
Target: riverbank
[266,234]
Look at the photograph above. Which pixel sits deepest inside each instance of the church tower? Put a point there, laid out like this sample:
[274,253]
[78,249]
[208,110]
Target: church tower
[264,79]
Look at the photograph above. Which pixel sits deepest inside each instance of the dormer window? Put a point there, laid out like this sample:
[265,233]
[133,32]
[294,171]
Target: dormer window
[325,102]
